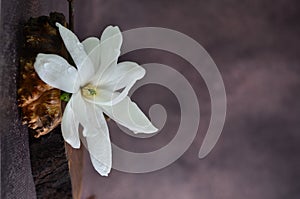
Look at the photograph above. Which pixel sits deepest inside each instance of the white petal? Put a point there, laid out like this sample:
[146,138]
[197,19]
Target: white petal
[69,127]
[78,54]
[128,114]
[79,107]
[121,75]
[90,43]
[72,44]
[92,48]
[111,41]
[95,119]
[99,148]
[110,45]
[57,72]
[89,116]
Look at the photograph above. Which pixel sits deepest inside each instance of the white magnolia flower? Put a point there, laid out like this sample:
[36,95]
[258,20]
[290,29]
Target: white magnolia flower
[96,88]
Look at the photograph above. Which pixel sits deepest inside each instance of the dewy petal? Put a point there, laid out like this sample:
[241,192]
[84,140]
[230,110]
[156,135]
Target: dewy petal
[124,74]
[69,127]
[99,148]
[128,114]
[72,44]
[92,48]
[110,45]
[78,54]
[57,72]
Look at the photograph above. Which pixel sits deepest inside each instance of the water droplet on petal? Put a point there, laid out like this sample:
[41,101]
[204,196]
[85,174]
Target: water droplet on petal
[70,69]
[45,64]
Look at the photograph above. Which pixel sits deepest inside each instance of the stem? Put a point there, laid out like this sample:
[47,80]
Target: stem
[71,15]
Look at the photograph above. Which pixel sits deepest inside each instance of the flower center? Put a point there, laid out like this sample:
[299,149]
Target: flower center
[92,91]
[89,90]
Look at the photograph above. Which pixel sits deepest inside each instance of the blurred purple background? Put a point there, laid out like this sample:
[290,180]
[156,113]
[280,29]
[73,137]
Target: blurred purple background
[256,46]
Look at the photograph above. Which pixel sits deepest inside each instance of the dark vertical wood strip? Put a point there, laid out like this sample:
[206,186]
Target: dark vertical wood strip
[16,177]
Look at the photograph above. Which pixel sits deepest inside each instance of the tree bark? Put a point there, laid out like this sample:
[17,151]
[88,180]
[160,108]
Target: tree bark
[50,166]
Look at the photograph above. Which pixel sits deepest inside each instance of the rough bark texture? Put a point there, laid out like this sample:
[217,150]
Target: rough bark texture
[49,166]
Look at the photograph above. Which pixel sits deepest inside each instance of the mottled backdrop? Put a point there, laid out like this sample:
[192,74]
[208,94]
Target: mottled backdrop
[256,47]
